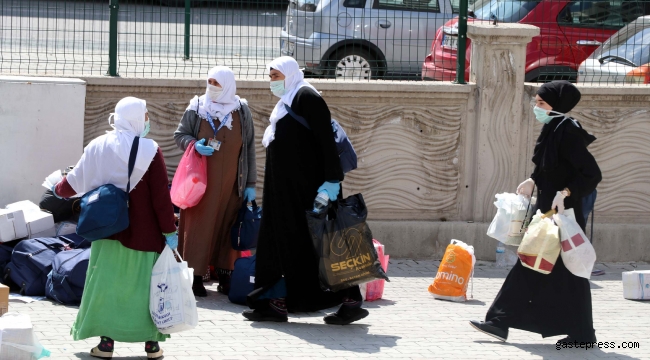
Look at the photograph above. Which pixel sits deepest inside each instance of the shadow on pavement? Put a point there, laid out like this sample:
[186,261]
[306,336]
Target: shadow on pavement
[354,338]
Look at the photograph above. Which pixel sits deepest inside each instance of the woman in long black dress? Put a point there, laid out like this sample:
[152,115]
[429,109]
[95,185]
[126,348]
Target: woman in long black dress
[558,303]
[300,163]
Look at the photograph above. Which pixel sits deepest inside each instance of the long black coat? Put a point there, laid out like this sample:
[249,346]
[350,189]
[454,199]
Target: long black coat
[298,162]
[558,303]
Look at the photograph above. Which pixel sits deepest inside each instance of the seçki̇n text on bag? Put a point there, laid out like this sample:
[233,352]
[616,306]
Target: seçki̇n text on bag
[343,242]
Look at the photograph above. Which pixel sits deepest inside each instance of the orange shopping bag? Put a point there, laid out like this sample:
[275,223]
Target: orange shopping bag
[454,273]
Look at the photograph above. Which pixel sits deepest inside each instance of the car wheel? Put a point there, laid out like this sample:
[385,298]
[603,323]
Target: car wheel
[354,64]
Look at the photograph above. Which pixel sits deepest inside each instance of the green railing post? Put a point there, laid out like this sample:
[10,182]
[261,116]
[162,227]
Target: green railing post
[462,42]
[114,6]
[187,29]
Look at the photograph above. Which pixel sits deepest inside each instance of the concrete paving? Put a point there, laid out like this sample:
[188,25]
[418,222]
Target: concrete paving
[407,324]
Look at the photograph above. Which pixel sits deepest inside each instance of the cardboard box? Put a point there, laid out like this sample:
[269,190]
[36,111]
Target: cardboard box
[12,225]
[39,224]
[636,285]
[4,299]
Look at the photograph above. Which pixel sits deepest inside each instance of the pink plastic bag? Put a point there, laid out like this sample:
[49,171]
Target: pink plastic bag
[190,180]
[375,289]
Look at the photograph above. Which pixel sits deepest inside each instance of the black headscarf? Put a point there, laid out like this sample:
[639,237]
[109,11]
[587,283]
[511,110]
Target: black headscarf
[563,97]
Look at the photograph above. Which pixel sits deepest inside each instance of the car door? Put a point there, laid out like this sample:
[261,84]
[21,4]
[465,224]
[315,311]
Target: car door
[586,24]
[403,30]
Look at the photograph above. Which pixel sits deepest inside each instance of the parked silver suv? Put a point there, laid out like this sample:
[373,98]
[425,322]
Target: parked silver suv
[362,39]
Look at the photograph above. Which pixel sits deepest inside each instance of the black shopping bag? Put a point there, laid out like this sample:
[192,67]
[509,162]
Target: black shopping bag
[343,242]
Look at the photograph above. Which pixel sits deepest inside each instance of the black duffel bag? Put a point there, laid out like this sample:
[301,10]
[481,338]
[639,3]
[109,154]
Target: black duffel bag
[61,209]
[343,242]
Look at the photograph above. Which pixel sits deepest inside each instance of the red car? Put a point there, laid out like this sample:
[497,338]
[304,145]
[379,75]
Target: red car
[569,32]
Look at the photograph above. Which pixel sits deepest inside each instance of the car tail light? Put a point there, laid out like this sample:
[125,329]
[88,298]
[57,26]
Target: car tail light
[640,75]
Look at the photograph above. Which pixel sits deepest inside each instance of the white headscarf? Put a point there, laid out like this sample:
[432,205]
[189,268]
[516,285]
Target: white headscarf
[106,159]
[294,79]
[226,103]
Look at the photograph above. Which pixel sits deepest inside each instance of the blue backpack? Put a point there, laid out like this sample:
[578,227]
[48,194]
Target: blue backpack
[65,283]
[105,210]
[243,234]
[31,261]
[343,145]
[242,280]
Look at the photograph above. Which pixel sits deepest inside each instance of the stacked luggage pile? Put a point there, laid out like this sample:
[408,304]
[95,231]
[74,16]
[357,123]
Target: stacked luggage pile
[40,252]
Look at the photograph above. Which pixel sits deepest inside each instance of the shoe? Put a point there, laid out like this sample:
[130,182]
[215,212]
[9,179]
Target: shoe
[156,355]
[346,316]
[197,287]
[95,352]
[499,333]
[153,350]
[224,284]
[265,315]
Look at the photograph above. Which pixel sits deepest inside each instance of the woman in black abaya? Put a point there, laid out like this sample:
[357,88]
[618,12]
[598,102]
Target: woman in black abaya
[300,163]
[558,303]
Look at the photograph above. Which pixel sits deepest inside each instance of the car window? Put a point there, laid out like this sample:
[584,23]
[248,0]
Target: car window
[455,5]
[509,11]
[359,4]
[631,46]
[407,5]
[601,14]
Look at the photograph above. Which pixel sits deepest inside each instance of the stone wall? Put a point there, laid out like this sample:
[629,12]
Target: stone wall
[409,137]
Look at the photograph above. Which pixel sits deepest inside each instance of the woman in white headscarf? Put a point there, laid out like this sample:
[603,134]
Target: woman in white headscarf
[115,301]
[222,126]
[300,163]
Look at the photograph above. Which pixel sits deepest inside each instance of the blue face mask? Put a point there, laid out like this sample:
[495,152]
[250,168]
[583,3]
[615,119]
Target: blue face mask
[542,116]
[147,127]
[277,88]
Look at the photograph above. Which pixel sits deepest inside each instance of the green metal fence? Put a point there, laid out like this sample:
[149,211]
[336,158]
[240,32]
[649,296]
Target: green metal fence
[341,39]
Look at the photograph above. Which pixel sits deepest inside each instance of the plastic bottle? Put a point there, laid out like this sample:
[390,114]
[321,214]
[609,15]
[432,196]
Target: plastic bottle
[501,255]
[321,201]
[505,257]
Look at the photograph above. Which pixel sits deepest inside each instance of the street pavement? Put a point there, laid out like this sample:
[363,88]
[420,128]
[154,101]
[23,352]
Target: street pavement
[71,38]
[407,324]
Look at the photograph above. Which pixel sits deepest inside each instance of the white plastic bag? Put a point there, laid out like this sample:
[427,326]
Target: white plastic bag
[577,252]
[17,338]
[52,179]
[172,303]
[513,215]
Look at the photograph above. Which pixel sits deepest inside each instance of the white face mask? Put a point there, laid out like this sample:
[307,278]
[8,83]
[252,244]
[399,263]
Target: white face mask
[213,92]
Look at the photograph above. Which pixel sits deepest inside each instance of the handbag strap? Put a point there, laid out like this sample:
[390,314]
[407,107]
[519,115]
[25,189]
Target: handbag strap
[523,223]
[132,156]
[298,118]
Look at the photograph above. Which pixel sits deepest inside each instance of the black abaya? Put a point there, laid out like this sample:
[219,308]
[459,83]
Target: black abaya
[298,162]
[558,303]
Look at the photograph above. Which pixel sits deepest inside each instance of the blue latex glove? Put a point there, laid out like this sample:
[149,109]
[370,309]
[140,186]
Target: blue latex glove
[202,149]
[331,188]
[249,194]
[54,192]
[171,240]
